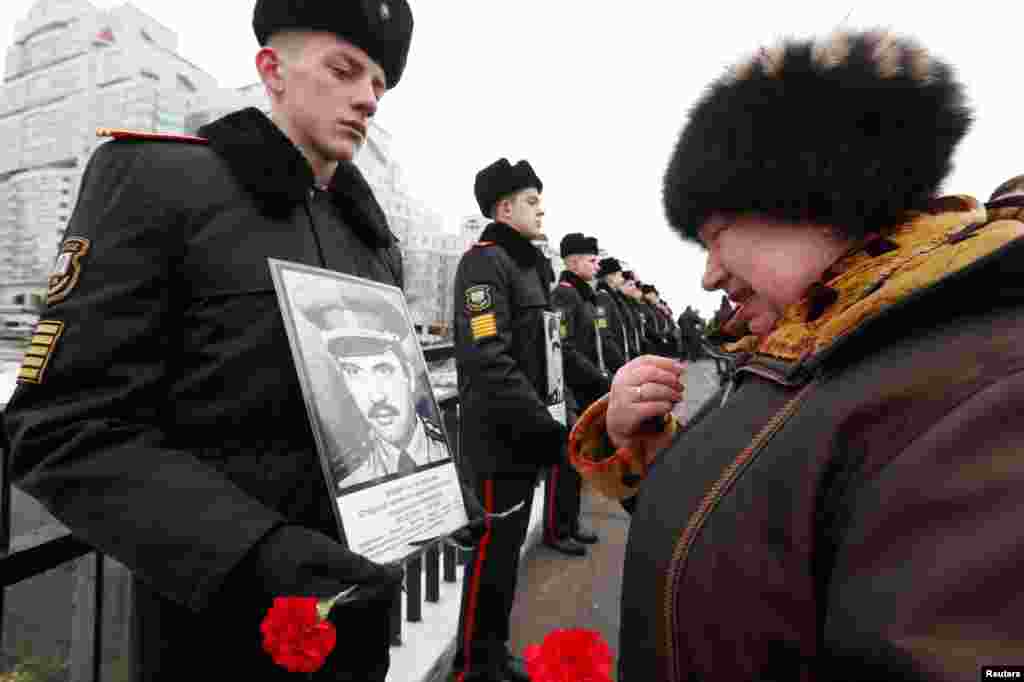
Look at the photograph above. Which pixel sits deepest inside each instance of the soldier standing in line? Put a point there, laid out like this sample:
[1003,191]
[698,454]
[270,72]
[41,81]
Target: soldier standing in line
[502,289]
[161,370]
[615,333]
[587,379]
[628,294]
[658,341]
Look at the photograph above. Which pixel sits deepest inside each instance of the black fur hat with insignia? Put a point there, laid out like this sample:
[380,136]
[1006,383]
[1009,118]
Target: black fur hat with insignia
[382,28]
[500,179]
[851,131]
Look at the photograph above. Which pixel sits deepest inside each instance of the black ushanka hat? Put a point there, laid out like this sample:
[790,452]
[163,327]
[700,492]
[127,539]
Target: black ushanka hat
[382,28]
[609,266]
[500,179]
[851,131]
[575,243]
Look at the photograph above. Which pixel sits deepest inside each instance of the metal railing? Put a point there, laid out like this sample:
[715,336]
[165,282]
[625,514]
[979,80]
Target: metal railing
[56,547]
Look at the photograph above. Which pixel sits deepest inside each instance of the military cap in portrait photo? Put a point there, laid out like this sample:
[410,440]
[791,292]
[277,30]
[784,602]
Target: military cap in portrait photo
[381,28]
[501,179]
[576,243]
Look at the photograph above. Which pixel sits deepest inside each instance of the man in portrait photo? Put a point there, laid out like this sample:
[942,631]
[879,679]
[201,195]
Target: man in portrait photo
[554,357]
[365,339]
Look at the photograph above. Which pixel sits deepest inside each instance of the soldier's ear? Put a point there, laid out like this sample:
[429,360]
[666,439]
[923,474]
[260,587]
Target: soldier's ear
[270,68]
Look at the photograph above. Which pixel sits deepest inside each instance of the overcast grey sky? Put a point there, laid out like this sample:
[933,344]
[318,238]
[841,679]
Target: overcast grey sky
[594,95]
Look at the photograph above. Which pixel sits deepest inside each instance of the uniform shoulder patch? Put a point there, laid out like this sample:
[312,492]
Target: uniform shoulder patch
[37,357]
[67,269]
[119,134]
[479,298]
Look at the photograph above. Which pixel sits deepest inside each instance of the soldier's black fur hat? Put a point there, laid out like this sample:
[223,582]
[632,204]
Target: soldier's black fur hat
[576,243]
[609,266]
[382,28]
[500,179]
[851,131]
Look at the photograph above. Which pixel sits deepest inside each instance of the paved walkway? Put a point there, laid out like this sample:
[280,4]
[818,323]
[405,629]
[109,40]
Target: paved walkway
[556,591]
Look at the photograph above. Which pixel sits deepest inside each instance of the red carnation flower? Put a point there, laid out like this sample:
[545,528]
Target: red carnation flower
[569,656]
[295,635]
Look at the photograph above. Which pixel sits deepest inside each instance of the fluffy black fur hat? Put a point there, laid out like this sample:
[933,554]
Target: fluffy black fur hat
[382,28]
[609,266]
[850,131]
[576,243]
[500,179]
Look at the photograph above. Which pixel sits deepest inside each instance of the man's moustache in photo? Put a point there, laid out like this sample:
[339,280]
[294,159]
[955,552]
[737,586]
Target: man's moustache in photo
[383,410]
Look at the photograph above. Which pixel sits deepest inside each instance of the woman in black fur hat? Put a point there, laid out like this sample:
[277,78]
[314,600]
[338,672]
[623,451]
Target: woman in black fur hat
[840,510]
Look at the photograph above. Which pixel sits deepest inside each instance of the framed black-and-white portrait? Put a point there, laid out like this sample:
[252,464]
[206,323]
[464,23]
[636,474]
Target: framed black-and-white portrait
[372,409]
[556,378]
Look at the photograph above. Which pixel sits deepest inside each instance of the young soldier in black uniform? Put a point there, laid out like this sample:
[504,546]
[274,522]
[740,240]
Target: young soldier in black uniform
[587,377]
[502,288]
[627,293]
[616,332]
[159,415]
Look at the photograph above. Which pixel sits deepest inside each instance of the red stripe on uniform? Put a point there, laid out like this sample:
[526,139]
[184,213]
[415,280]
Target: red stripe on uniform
[474,586]
[552,489]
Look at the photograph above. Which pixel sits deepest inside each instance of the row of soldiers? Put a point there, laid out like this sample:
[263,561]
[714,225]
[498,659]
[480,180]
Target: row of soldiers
[629,314]
[514,424]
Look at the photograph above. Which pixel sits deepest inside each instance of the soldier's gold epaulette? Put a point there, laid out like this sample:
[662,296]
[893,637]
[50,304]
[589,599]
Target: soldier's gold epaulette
[119,134]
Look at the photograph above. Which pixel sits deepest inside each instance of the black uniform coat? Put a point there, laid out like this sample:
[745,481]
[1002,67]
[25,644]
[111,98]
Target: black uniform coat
[577,302]
[169,428]
[632,322]
[502,289]
[614,332]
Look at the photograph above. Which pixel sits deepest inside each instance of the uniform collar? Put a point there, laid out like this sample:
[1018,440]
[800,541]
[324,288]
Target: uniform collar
[276,173]
[515,244]
[584,289]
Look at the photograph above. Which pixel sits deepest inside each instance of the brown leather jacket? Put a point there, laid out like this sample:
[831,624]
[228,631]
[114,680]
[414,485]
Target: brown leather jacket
[854,510]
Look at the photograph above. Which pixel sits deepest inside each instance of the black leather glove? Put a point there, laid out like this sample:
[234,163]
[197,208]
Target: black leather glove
[297,561]
[471,534]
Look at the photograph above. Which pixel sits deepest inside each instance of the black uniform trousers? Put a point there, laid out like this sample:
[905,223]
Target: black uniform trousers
[563,487]
[489,582]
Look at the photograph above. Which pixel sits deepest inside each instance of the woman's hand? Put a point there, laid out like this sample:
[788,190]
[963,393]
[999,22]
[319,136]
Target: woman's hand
[644,389]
